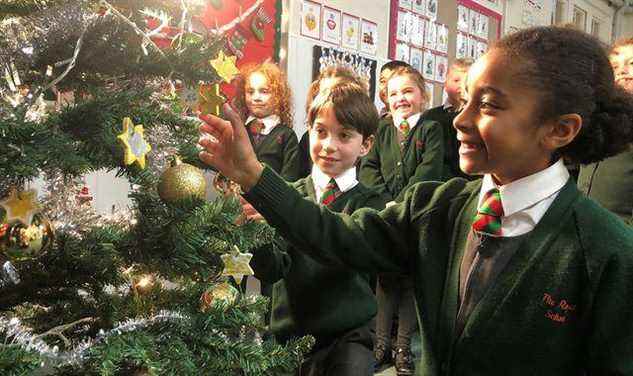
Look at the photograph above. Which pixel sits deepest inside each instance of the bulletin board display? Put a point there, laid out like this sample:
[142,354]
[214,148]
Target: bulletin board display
[364,67]
[474,23]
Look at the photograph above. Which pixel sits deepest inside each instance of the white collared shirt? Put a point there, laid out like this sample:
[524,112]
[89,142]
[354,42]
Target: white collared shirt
[270,122]
[526,200]
[412,120]
[345,181]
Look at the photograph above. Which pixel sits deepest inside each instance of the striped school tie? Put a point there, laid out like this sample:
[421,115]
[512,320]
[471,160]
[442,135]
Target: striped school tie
[404,127]
[488,217]
[331,193]
[255,128]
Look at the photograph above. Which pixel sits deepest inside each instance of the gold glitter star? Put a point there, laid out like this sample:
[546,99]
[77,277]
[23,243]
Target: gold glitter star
[225,66]
[210,100]
[237,264]
[21,206]
[136,148]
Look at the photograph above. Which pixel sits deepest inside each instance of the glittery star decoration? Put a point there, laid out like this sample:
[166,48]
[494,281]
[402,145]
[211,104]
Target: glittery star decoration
[210,100]
[225,66]
[136,148]
[21,206]
[237,264]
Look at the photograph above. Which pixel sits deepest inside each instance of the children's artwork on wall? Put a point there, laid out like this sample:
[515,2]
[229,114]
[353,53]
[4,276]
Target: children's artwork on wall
[368,37]
[365,68]
[331,25]
[462,18]
[473,21]
[416,58]
[482,26]
[429,94]
[461,46]
[430,36]
[403,32]
[431,9]
[442,38]
[417,31]
[440,68]
[350,29]
[419,6]
[402,52]
[481,49]
[472,48]
[311,19]
[404,4]
[428,66]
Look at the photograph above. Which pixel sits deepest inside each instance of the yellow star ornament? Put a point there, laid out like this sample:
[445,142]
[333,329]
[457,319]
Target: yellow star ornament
[237,264]
[136,148]
[210,100]
[21,206]
[225,66]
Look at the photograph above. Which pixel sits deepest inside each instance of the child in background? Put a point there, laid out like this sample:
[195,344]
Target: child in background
[385,72]
[408,149]
[331,303]
[537,279]
[610,182]
[327,78]
[446,113]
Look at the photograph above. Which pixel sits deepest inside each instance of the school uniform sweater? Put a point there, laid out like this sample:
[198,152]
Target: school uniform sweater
[445,116]
[278,149]
[311,298]
[561,306]
[389,167]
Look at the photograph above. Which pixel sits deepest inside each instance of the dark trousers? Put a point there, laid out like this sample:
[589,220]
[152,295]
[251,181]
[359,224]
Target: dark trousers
[349,355]
[395,292]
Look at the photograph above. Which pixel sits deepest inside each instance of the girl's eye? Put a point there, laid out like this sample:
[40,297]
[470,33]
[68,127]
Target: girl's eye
[488,106]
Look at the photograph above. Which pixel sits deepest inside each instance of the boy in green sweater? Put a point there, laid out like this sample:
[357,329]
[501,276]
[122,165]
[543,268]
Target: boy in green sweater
[329,302]
[514,274]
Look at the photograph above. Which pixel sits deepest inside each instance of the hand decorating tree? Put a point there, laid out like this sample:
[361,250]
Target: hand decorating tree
[91,85]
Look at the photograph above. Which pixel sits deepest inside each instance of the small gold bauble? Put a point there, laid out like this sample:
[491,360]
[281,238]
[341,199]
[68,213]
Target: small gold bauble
[181,181]
[21,242]
[220,292]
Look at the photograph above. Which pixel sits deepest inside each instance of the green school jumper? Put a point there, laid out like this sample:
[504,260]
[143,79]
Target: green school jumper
[563,305]
[445,116]
[311,298]
[390,168]
[278,149]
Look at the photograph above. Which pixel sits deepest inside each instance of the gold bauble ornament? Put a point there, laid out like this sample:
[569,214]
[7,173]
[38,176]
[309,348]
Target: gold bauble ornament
[21,242]
[181,181]
[222,292]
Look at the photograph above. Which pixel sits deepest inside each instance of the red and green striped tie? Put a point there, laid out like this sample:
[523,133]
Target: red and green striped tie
[331,193]
[488,217]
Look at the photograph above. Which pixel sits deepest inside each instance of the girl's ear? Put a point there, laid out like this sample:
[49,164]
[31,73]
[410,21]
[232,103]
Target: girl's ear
[366,146]
[562,131]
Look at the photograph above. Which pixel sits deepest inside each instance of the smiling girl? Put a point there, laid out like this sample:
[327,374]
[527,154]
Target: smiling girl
[514,274]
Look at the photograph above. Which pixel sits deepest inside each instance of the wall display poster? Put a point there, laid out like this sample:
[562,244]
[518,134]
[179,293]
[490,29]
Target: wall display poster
[311,19]
[462,18]
[442,38]
[331,28]
[417,31]
[416,58]
[365,68]
[472,48]
[419,6]
[461,46]
[482,26]
[441,67]
[481,49]
[403,32]
[429,93]
[431,9]
[428,66]
[473,21]
[350,28]
[368,37]
[404,4]
[430,35]
[402,52]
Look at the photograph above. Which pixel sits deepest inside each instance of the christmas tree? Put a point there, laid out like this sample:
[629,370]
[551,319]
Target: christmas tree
[92,85]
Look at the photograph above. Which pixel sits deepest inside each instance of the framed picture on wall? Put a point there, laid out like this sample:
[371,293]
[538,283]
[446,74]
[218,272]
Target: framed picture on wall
[481,49]
[368,37]
[461,46]
[417,31]
[403,31]
[402,52]
[472,48]
[442,38]
[419,6]
[311,19]
[431,9]
[482,26]
[473,21]
[462,18]
[416,58]
[350,27]
[405,4]
[430,35]
[441,68]
[331,27]
[428,66]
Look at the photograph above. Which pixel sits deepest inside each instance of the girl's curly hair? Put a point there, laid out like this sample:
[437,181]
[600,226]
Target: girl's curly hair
[281,94]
